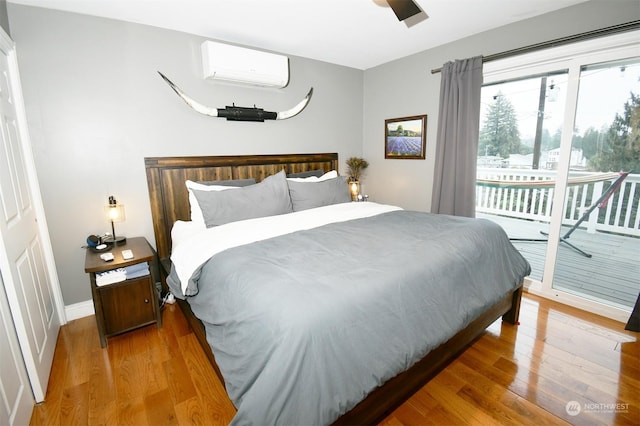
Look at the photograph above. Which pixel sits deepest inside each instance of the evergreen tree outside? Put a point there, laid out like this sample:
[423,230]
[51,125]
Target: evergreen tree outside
[621,142]
[551,142]
[590,142]
[499,135]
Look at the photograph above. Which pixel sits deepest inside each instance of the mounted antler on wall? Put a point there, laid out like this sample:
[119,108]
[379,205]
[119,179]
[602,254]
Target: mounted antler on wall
[234,113]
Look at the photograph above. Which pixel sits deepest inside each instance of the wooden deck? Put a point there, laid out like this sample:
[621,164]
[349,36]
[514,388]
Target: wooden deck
[611,275]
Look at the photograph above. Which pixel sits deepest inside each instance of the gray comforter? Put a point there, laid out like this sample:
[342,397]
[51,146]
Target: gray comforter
[305,325]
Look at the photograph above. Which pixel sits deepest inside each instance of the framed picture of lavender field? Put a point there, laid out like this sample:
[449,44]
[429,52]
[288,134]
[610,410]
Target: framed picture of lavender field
[406,137]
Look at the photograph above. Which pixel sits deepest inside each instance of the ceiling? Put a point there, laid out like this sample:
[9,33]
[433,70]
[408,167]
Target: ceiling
[355,33]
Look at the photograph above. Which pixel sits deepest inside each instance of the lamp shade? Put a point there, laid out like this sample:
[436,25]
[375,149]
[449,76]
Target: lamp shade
[115,213]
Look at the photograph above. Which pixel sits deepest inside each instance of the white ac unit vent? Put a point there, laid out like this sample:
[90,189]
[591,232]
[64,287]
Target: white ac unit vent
[241,65]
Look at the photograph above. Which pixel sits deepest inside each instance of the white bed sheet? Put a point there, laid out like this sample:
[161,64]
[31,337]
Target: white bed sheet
[193,245]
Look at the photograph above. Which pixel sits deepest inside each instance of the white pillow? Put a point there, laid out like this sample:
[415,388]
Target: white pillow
[196,212]
[329,175]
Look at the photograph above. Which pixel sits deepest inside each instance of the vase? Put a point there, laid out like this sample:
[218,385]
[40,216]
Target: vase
[354,189]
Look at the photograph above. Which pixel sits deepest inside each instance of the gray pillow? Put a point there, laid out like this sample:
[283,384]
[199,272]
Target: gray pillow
[232,182]
[310,173]
[307,195]
[267,198]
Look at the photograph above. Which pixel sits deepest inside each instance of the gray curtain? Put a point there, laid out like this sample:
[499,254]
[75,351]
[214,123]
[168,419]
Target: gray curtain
[454,186]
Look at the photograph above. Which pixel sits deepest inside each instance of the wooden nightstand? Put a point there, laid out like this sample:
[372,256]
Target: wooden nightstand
[128,304]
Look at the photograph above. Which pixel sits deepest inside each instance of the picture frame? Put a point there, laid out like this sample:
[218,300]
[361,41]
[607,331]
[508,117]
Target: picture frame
[405,138]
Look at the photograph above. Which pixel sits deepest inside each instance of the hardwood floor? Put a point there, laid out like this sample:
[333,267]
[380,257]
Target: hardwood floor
[526,374]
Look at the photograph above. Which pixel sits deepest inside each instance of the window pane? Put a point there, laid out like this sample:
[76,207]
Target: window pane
[520,131]
[510,114]
[607,116]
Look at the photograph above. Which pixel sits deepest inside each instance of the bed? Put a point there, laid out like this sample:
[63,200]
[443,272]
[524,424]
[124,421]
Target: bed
[360,362]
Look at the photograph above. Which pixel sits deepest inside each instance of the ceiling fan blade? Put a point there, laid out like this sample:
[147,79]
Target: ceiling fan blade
[404,8]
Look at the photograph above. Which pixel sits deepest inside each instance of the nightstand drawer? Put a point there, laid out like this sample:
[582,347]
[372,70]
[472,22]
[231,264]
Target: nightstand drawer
[127,304]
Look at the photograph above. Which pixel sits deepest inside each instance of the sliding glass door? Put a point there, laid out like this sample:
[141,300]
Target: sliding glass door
[557,127]
[599,253]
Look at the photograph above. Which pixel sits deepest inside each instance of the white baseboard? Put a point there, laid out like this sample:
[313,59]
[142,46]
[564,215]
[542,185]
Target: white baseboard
[79,310]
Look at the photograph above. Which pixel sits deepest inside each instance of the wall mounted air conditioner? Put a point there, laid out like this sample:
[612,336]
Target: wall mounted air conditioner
[235,64]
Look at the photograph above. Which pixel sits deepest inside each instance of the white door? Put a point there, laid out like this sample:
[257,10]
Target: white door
[16,400]
[26,262]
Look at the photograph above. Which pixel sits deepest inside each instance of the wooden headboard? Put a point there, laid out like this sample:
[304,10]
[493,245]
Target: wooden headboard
[168,194]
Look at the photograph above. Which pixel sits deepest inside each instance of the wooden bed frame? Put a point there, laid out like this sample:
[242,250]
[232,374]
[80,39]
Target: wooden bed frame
[168,196]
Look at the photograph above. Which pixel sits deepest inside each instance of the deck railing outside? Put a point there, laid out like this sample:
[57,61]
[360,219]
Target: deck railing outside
[620,215]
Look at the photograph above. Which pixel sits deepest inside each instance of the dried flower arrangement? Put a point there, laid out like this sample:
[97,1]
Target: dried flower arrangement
[356,165]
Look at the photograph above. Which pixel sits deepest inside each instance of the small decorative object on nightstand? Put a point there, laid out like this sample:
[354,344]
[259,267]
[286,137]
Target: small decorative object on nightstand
[123,289]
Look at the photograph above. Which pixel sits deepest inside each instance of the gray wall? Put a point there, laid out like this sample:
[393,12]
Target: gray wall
[96,107]
[406,87]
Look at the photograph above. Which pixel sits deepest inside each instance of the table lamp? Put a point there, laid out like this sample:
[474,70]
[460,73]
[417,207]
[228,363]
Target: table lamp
[354,189]
[114,213]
